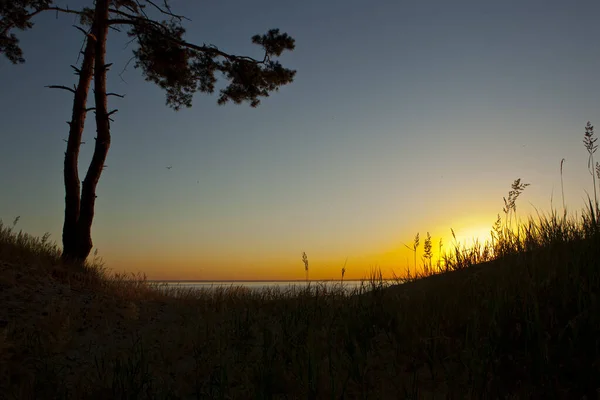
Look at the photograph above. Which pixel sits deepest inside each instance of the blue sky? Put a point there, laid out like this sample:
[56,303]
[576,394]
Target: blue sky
[404,117]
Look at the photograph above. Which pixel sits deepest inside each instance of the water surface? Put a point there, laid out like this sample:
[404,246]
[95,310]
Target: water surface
[284,286]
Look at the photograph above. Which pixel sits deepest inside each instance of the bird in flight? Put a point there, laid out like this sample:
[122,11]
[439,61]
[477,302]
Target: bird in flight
[169,167]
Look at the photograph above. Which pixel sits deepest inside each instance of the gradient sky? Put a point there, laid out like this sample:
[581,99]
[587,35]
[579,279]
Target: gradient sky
[404,117]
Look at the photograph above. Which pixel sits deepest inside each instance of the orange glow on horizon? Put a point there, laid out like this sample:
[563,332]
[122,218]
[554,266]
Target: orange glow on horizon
[393,262]
[319,269]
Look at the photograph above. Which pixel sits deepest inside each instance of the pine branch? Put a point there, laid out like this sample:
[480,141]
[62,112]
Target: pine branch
[61,87]
[134,20]
[39,11]
[167,11]
[80,29]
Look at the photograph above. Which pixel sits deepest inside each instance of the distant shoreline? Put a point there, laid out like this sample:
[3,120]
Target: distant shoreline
[256,280]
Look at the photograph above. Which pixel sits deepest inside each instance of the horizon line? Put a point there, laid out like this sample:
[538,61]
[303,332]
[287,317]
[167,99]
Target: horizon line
[261,280]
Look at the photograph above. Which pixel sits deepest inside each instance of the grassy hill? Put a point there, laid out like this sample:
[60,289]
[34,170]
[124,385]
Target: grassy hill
[515,318]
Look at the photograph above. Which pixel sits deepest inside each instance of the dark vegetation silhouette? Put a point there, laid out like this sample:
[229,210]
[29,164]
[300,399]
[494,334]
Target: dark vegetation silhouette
[165,58]
[517,317]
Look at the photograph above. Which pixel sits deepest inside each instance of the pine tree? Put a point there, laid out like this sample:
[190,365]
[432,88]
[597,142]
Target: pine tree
[164,57]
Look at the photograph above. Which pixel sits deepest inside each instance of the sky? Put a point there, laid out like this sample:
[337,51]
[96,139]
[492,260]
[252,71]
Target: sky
[404,117]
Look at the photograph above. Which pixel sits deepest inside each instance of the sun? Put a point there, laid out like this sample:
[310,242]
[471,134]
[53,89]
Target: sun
[471,234]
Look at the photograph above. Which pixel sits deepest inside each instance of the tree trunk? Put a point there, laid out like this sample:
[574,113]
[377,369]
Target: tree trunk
[71,173]
[88,194]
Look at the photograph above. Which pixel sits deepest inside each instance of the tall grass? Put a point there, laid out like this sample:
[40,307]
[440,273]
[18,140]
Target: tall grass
[305,262]
[514,317]
[589,142]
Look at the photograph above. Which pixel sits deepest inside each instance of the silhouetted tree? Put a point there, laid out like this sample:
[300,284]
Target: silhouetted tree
[165,58]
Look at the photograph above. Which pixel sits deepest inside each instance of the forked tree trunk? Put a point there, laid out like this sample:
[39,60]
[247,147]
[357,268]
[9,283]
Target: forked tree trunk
[80,199]
[88,193]
[71,172]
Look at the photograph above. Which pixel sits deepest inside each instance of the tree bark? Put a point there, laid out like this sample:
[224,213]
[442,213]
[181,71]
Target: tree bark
[88,194]
[71,172]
